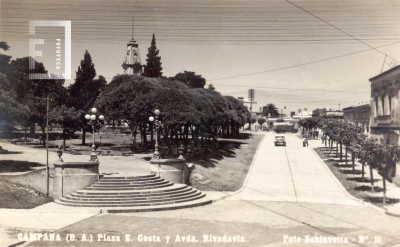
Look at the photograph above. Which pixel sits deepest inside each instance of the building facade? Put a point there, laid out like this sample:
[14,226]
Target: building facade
[319,112]
[385,110]
[334,114]
[385,106]
[360,115]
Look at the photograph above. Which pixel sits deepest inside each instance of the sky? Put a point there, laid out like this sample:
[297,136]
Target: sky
[294,53]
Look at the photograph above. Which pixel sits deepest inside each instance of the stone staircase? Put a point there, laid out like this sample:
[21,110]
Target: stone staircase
[134,193]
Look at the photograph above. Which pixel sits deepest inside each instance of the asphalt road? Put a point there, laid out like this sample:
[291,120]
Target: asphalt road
[291,173]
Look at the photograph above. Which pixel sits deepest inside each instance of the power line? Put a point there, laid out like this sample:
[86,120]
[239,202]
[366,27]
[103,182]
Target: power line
[298,65]
[297,89]
[339,29]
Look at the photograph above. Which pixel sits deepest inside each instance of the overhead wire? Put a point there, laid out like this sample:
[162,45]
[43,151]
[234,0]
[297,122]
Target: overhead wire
[340,30]
[298,65]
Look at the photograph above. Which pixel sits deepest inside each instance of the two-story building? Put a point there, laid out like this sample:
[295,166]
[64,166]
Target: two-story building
[385,105]
[385,110]
[360,115]
[319,112]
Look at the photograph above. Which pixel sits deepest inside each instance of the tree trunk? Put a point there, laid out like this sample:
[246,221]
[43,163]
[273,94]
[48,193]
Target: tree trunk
[372,178]
[341,152]
[346,156]
[43,136]
[26,137]
[384,187]
[362,175]
[64,137]
[144,134]
[32,130]
[83,136]
[337,147]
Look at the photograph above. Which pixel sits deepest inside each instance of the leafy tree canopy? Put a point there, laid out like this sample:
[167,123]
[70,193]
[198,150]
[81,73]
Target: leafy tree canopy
[192,80]
[211,87]
[4,59]
[270,110]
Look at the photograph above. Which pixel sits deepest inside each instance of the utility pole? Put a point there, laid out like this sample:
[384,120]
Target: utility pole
[47,144]
[251,98]
[47,147]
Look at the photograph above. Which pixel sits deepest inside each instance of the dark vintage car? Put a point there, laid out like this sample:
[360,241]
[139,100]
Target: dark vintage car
[280,141]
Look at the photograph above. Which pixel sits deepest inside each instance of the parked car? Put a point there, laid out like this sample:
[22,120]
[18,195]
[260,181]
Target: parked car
[280,141]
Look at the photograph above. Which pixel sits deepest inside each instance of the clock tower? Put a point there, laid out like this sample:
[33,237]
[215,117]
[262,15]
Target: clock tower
[132,64]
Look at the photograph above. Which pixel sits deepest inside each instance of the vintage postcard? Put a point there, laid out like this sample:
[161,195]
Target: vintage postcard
[199,123]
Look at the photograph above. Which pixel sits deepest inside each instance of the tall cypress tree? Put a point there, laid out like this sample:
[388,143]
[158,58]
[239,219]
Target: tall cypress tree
[84,91]
[84,76]
[153,67]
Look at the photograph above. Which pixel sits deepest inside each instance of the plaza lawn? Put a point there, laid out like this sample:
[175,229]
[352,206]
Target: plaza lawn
[226,168]
[20,197]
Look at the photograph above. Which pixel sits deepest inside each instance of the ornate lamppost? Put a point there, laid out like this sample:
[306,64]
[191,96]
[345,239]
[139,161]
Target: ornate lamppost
[158,124]
[96,122]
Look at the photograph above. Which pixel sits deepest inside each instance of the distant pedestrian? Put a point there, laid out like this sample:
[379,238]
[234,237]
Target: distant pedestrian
[305,141]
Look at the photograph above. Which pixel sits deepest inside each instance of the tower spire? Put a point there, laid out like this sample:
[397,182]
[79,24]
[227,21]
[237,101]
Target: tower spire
[133,19]
[132,64]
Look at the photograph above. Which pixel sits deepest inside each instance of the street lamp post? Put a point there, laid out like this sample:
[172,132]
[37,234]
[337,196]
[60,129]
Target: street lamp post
[158,124]
[95,121]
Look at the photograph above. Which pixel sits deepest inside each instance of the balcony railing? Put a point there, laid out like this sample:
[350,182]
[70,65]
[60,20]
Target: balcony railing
[383,120]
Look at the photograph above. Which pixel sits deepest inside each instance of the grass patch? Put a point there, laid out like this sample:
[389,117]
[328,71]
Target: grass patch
[227,167]
[20,197]
[17,166]
[354,184]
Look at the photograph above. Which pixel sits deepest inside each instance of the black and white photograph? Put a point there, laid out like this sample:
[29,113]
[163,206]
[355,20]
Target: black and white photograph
[199,123]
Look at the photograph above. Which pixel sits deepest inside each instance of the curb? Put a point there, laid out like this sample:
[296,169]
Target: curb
[248,173]
[137,210]
[392,214]
[246,179]
[347,193]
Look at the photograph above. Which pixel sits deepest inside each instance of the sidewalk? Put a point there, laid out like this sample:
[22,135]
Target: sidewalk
[46,218]
[392,191]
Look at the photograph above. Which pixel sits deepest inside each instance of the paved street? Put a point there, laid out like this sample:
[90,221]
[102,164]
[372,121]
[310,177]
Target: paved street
[293,173]
[289,195]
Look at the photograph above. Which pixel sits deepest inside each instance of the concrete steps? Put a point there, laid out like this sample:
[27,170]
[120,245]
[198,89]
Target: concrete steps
[135,193]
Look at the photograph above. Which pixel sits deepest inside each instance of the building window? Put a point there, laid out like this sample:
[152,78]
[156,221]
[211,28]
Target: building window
[390,104]
[383,105]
